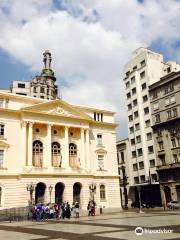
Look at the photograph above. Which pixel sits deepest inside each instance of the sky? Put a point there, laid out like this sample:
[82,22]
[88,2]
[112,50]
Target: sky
[90,42]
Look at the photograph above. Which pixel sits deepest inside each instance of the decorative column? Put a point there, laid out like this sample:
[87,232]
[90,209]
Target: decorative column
[24,144]
[65,159]
[30,143]
[88,165]
[47,157]
[82,158]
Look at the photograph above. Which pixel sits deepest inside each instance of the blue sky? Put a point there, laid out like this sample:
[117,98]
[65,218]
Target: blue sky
[90,41]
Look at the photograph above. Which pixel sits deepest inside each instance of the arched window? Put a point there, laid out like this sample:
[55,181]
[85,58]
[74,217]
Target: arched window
[102,192]
[56,154]
[37,153]
[74,163]
[72,149]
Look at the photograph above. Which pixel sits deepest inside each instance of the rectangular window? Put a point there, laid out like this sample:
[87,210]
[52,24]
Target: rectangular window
[6,103]
[1,158]
[175,112]
[132,141]
[127,85]
[135,168]
[129,106]
[146,110]
[152,163]
[101,162]
[101,117]
[127,74]
[150,149]
[134,91]
[138,139]
[157,118]
[136,180]
[41,90]
[149,136]
[122,157]
[142,74]
[137,126]
[21,85]
[94,116]
[173,141]
[140,152]
[161,146]
[143,86]
[135,102]
[175,158]
[133,154]
[128,95]
[132,80]
[99,139]
[35,90]
[145,98]
[142,63]
[141,165]
[142,177]
[130,118]
[136,114]
[154,94]
[169,114]
[1,130]
[131,129]
[148,123]
[154,177]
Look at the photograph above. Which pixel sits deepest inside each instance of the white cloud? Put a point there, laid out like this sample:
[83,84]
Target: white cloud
[90,41]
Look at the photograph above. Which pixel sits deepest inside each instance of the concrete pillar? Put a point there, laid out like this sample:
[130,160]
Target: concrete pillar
[82,158]
[88,164]
[65,159]
[24,142]
[47,157]
[30,143]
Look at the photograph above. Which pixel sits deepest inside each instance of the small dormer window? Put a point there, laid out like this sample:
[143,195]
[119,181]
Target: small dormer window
[98,117]
[71,134]
[55,132]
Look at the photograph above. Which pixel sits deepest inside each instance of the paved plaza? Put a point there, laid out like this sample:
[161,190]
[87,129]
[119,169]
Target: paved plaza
[104,227]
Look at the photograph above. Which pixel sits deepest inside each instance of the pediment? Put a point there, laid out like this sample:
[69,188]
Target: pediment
[57,108]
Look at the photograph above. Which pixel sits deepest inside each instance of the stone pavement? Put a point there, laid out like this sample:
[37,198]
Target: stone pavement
[104,227]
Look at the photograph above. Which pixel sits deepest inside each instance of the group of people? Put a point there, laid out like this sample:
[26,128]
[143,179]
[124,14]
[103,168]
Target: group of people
[54,211]
[91,207]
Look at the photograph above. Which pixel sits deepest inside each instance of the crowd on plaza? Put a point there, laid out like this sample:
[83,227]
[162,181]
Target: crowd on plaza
[59,210]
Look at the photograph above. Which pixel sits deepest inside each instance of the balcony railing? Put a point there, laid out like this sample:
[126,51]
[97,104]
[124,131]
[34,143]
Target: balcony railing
[74,162]
[38,160]
[167,166]
[56,160]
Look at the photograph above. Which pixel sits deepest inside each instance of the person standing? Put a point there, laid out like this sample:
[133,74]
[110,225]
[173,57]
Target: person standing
[77,209]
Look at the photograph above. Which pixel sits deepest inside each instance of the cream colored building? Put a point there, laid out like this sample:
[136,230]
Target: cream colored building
[53,143]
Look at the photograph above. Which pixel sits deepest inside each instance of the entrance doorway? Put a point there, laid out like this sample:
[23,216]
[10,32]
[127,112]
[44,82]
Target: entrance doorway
[59,190]
[178,192]
[77,192]
[40,193]
[167,192]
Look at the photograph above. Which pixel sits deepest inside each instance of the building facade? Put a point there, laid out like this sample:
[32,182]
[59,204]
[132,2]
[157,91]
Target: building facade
[124,159]
[43,86]
[165,107]
[145,68]
[52,151]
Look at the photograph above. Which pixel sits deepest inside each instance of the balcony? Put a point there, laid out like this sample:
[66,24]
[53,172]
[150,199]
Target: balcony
[74,162]
[37,160]
[168,166]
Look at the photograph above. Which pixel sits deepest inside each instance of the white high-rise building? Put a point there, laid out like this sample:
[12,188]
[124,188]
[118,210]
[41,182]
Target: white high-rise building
[145,68]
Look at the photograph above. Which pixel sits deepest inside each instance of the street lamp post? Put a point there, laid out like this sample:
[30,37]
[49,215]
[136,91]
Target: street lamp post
[30,188]
[50,191]
[92,188]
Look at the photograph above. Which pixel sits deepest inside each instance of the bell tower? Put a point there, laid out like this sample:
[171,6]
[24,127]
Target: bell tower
[44,86]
